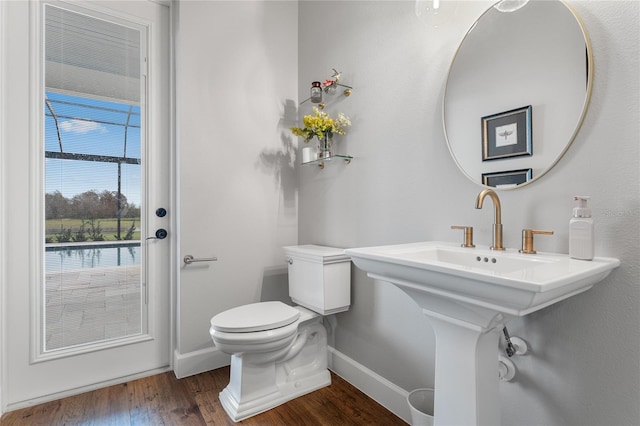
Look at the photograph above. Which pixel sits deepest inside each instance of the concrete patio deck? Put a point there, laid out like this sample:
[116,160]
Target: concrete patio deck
[90,305]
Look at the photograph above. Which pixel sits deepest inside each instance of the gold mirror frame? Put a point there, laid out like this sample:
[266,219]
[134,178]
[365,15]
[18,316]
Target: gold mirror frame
[478,141]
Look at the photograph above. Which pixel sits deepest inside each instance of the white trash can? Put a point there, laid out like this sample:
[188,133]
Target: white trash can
[421,406]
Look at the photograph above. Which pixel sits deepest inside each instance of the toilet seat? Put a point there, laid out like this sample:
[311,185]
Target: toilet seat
[257,327]
[255,317]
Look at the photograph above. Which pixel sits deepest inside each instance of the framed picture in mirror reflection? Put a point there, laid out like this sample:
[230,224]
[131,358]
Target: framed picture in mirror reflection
[507,178]
[507,134]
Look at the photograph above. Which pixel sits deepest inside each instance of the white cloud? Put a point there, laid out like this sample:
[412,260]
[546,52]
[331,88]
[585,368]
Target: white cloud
[81,126]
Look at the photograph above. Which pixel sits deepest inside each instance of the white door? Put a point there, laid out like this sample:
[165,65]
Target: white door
[86,172]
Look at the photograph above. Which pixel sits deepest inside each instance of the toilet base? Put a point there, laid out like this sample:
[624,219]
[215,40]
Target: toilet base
[285,392]
[260,381]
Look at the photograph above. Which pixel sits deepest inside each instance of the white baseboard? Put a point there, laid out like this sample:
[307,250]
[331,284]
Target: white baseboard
[199,361]
[381,390]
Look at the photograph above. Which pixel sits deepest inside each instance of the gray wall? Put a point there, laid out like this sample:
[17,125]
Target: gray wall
[403,186]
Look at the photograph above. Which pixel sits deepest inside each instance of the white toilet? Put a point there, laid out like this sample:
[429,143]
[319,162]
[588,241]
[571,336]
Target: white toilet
[279,352]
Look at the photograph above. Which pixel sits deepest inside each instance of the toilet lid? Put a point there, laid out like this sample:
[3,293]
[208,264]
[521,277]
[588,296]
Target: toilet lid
[255,317]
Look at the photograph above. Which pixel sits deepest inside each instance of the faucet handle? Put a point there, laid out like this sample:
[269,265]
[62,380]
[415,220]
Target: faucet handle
[468,235]
[527,240]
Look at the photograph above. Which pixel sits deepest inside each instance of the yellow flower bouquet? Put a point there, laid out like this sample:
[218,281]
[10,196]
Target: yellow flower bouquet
[321,125]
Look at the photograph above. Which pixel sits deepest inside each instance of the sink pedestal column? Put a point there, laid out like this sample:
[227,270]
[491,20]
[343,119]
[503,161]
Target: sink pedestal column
[466,376]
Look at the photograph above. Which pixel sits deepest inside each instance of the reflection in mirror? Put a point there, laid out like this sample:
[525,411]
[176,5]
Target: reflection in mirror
[517,92]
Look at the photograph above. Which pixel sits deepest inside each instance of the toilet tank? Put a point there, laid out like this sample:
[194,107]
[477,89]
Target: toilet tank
[319,278]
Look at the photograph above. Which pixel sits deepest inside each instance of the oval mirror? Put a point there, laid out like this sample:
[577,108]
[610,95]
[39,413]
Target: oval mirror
[517,92]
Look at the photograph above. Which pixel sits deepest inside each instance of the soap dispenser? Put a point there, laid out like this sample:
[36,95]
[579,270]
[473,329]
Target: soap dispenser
[581,241]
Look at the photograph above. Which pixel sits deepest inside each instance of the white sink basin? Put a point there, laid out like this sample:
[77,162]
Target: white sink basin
[508,282]
[468,295]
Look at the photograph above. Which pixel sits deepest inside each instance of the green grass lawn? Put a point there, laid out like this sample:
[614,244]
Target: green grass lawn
[108,228]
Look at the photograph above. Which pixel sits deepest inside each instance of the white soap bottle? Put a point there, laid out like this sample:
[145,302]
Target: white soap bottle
[581,241]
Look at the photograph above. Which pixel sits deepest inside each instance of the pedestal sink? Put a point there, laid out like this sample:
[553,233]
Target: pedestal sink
[468,295]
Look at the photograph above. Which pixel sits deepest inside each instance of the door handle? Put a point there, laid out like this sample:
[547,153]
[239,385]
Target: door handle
[189,259]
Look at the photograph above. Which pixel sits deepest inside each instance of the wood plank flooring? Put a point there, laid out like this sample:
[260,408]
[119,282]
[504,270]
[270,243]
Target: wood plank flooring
[164,400]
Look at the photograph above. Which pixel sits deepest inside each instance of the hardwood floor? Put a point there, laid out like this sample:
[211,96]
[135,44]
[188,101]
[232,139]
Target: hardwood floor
[165,400]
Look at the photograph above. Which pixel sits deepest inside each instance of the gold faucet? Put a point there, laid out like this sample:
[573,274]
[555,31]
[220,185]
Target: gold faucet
[497,221]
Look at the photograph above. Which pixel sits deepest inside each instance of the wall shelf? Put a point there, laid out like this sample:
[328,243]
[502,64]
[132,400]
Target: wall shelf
[321,161]
[321,92]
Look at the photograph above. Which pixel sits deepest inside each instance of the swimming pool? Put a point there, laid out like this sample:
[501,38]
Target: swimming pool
[67,257]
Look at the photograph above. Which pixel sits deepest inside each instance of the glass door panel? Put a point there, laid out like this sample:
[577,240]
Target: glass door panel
[93,285]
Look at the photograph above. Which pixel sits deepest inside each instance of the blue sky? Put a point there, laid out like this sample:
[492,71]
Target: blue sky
[91,137]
